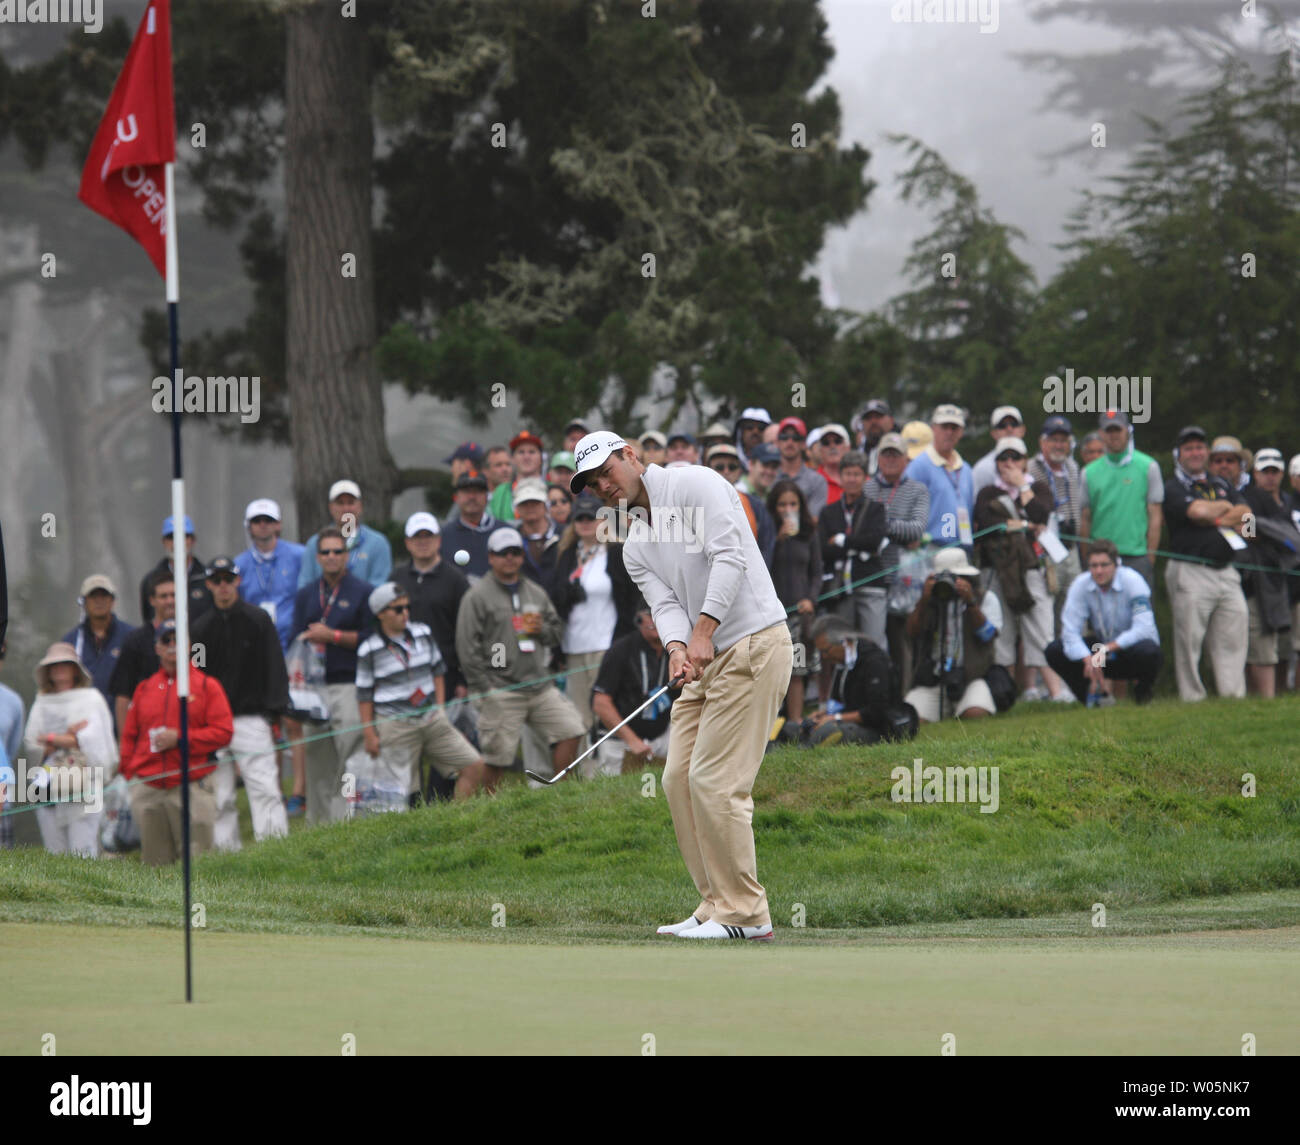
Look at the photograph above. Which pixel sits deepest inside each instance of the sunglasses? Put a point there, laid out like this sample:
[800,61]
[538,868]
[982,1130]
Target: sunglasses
[222,578]
[261,521]
[331,552]
[556,502]
[726,467]
[513,551]
[832,439]
[398,608]
[789,435]
[167,638]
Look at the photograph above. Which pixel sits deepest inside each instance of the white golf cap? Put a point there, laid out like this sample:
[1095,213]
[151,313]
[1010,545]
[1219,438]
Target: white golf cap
[755,413]
[418,522]
[262,507]
[383,596]
[835,427]
[1295,466]
[529,489]
[1005,411]
[815,436]
[1269,459]
[505,539]
[591,453]
[1010,445]
[341,487]
[953,559]
[948,415]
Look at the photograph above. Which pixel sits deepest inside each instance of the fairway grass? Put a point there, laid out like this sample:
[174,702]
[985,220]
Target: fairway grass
[118,992]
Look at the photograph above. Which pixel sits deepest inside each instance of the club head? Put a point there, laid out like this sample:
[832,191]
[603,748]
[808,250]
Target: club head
[541,778]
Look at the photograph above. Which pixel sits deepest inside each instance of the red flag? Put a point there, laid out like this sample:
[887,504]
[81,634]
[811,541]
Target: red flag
[124,177]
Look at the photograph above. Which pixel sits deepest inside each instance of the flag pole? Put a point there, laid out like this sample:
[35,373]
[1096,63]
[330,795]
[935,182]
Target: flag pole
[179,547]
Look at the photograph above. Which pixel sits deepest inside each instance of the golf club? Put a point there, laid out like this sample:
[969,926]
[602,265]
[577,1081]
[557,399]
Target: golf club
[649,700]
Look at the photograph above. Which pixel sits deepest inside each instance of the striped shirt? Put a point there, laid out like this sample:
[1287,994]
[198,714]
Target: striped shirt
[1065,492]
[907,510]
[396,674]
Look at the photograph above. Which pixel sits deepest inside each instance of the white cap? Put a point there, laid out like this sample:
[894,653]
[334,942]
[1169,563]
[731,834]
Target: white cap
[1295,466]
[505,539]
[383,596]
[417,522]
[953,559]
[835,427]
[262,507]
[529,489]
[1005,411]
[591,453]
[1269,459]
[341,487]
[948,415]
[755,413]
[1013,444]
[815,436]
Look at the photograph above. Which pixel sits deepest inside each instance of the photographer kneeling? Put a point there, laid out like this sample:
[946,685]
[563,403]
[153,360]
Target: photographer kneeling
[954,640]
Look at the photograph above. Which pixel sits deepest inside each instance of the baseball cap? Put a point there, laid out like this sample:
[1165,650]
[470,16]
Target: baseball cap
[467,451]
[948,415]
[383,596]
[877,405]
[1004,412]
[577,423]
[1056,424]
[765,453]
[162,628]
[525,438]
[953,559]
[471,481]
[917,435]
[505,539]
[892,441]
[835,427]
[221,565]
[1014,445]
[593,451]
[1269,459]
[1294,468]
[717,429]
[419,522]
[654,435]
[168,528]
[795,422]
[529,489]
[95,582]
[1113,417]
[262,507]
[723,450]
[341,487]
[816,436]
[755,413]
[1190,431]
[1228,444]
[678,436]
[563,460]
[587,504]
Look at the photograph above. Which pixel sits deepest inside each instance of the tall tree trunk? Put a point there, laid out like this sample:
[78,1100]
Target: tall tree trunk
[336,400]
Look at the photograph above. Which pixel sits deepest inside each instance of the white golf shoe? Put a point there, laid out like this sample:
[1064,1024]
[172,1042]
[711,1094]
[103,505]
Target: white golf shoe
[713,929]
[680,927]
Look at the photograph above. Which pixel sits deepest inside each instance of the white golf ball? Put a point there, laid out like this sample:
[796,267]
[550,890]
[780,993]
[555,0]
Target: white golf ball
[461,557]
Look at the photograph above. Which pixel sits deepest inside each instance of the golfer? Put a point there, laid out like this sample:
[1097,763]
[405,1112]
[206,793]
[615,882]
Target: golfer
[692,553]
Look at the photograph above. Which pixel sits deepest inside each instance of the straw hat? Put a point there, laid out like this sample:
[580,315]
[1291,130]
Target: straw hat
[59,653]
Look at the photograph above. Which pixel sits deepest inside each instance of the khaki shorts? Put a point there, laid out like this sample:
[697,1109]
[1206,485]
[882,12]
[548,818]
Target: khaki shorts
[926,701]
[1261,647]
[502,715]
[432,738]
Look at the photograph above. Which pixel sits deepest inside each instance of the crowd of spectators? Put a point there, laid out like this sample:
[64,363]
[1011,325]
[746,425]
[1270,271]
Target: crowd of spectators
[911,576]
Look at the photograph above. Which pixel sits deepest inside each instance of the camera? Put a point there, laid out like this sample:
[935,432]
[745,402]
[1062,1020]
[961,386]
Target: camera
[944,587]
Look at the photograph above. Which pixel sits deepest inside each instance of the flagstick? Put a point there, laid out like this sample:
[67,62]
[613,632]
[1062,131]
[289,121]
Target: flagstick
[179,547]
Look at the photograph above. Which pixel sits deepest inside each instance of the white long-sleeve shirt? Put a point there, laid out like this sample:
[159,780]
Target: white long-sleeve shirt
[697,554]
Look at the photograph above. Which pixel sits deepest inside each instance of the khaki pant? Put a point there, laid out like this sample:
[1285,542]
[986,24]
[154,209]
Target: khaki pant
[327,758]
[578,691]
[157,812]
[719,732]
[1210,612]
[502,716]
[410,742]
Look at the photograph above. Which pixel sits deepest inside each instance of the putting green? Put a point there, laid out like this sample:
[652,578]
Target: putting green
[109,990]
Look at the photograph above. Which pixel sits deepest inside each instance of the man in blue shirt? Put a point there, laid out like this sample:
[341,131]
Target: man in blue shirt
[939,467]
[370,557]
[1108,631]
[269,567]
[99,637]
[333,613]
[13,718]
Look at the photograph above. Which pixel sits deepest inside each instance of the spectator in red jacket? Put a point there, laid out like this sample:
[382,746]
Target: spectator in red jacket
[149,752]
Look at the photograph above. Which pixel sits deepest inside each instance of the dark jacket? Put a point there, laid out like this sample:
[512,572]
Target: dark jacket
[977,655]
[435,600]
[565,593]
[796,567]
[200,597]
[1010,555]
[862,536]
[1274,545]
[99,659]
[241,651]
